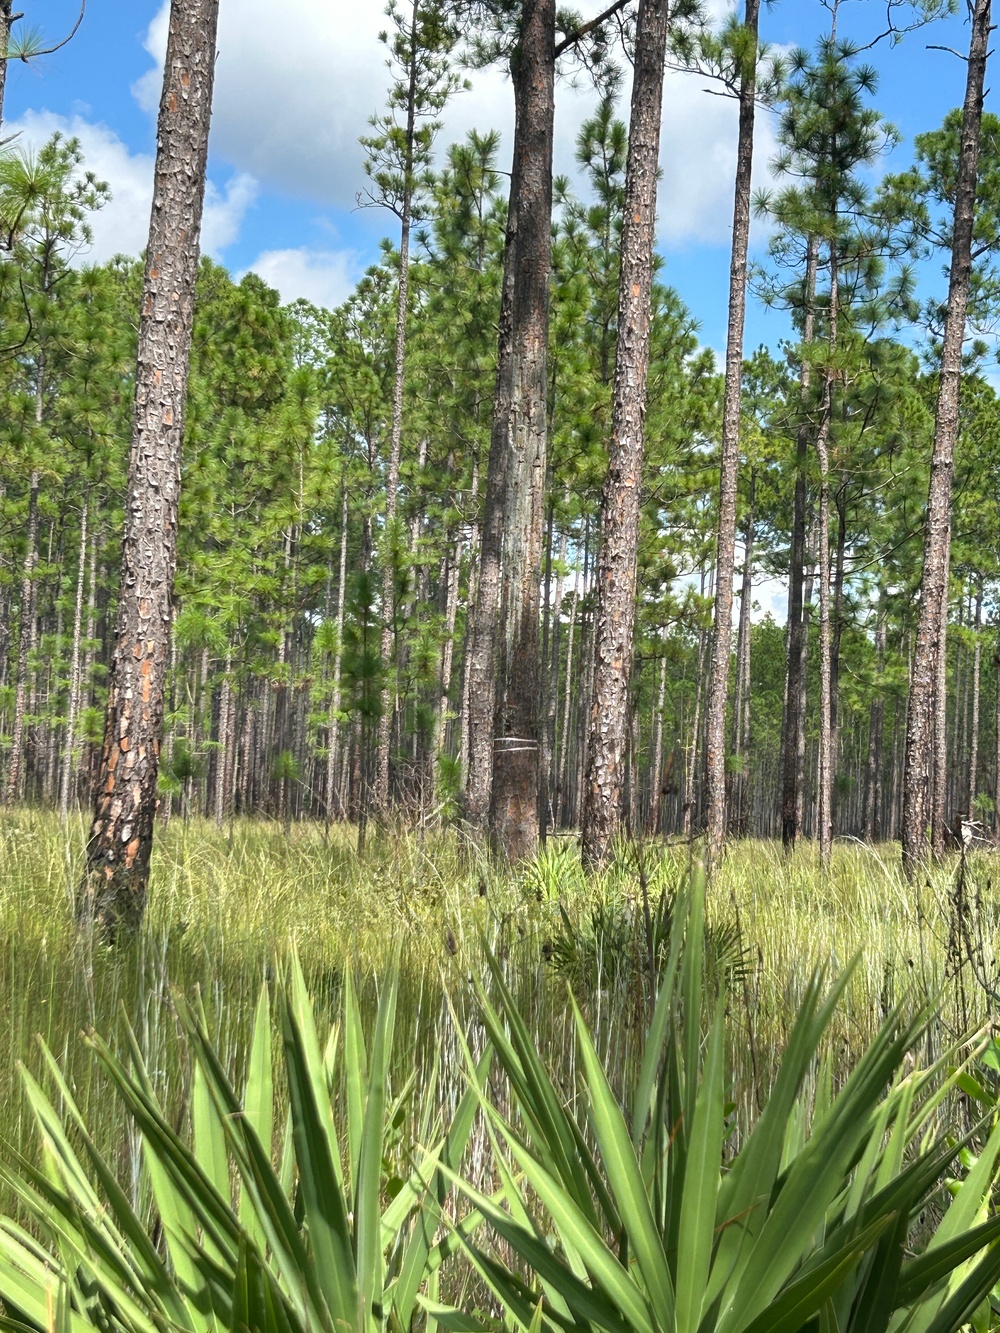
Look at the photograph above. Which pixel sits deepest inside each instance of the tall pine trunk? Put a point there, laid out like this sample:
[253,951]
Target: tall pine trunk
[718,690]
[453,575]
[7,17]
[381,792]
[15,770]
[620,502]
[331,801]
[931,626]
[520,429]
[482,653]
[656,773]
[939,739]
[824,806]
[977,662]
[792,719]
[118,854]
[876,723]
[741,702]
[73,710]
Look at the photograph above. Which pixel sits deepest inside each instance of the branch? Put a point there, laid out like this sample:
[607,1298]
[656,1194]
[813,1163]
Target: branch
[30,55]
[16,347]
[950,49]
[574,38]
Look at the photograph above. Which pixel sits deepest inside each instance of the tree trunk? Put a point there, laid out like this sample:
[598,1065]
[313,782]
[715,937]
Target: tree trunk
[482,653]
[824,807]
[718,692]
[331,802]
[977,662]
[656,783]
[15,771]
[876,724]
[447,658]
[563,767]
[470,620]
[931,628]
[66,776]
[381,792]
[7,17]
[552,692]
[118,854]
[691,771]
[792,721]
[620,501]
[515,787]
[939,740]
[741,702]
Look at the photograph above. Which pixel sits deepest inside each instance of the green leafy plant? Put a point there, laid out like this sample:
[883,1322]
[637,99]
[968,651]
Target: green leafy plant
[616,944]
[334,1237]
[638,1220]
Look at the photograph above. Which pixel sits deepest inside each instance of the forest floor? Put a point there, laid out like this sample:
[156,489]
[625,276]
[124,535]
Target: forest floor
[226,907]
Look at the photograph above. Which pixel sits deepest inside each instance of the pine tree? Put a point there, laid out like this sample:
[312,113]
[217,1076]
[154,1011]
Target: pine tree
[118,852]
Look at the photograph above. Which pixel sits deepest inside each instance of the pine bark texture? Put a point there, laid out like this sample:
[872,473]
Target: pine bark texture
[396,433]
[521,432]
[792,720]
[482,654]
[718,693]
[332,802]
[939,733]
[6,23]
[15,770]
[739,813]
[876,725]
[118,854]
[824,803]
[66,773]
[930,637]
[977,664]
[615,615]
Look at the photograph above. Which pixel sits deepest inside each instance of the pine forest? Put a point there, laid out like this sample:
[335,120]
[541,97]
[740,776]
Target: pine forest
[456,733]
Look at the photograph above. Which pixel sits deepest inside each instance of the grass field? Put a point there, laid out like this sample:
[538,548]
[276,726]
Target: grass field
[226,907]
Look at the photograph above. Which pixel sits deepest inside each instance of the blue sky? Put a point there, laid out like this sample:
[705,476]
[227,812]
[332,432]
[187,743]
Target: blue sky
[296,82]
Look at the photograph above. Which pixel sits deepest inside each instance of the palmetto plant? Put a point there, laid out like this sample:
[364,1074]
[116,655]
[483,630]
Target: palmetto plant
[642,1219]
[330,1239]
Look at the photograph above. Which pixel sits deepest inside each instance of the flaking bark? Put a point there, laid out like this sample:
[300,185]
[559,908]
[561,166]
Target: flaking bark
[520,430]
[715,738]
[792,719]
[121,837]
[931,626]
[615,617]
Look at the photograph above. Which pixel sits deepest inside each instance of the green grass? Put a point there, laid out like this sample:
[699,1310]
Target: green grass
[227,906]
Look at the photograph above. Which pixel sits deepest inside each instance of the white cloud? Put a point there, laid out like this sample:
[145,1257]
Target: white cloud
[698,157]
[292,98]
[770,598]
[123,224]
[325,277]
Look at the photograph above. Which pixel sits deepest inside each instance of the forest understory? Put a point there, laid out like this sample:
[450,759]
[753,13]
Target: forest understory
[231,905]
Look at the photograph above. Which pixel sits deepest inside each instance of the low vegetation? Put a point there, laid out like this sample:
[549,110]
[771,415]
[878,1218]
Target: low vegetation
[212,1159]
[571,963]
